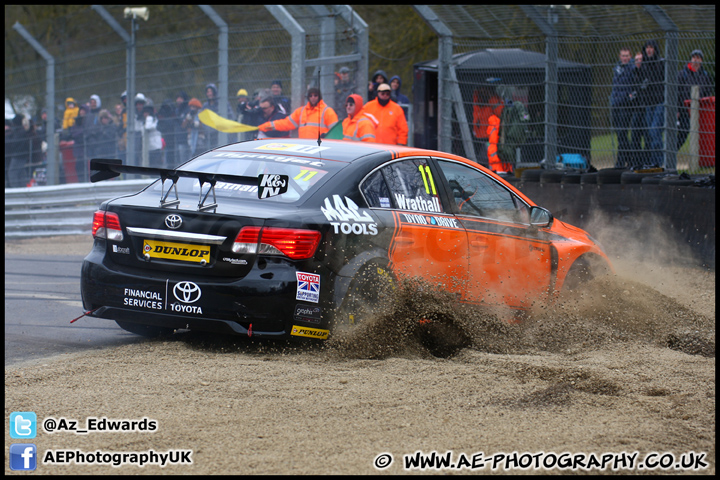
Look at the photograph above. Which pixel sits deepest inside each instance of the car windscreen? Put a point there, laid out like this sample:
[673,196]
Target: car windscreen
[303,174]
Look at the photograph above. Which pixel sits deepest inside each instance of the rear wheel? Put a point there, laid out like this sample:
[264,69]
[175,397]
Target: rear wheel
[369,294]
[148,331]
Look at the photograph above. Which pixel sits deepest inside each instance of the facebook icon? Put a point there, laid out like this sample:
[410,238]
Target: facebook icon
[23,456]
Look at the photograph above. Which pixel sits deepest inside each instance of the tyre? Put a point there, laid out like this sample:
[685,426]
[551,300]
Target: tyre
[147,331]
[628,178]
[532,175]
[610,176]
[651,180]
[552,176]
[369,294]
[571,178]
[676,181]
[588,178]
[584,270]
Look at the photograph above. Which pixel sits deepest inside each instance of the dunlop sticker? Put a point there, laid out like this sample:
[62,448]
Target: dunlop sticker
[309,332]
[176,251]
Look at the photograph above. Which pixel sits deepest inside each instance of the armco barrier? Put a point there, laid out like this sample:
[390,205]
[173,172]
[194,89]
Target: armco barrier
[61,209]
[656,216]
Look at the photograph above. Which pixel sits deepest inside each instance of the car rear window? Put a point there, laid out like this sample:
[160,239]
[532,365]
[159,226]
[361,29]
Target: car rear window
[304,174]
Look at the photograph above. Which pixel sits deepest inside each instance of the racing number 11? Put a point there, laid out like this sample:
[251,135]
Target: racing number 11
[425,172]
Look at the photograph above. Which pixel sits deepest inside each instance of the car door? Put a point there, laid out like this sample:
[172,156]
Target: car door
[428,240]
[509,262]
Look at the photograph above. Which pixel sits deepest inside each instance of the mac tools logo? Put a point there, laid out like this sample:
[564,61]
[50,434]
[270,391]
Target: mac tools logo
[348,216]
[186,292]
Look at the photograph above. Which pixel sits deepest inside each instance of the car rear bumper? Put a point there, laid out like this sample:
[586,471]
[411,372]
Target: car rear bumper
[257,307]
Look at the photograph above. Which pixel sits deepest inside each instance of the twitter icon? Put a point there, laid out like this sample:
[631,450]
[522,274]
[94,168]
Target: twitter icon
[23,425]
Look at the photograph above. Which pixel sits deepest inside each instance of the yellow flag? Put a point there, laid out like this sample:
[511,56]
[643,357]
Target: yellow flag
[213,120]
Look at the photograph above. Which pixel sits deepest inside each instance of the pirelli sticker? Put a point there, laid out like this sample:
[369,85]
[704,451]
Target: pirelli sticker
[309,332]
[176,251]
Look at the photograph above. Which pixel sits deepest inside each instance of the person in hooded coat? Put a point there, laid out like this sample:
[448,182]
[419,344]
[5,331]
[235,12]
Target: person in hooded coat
[692,74]
[71,112]
[651,95]
[378,78]
[357,126]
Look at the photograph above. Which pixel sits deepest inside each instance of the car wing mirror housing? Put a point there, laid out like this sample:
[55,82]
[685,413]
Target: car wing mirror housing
[540,217]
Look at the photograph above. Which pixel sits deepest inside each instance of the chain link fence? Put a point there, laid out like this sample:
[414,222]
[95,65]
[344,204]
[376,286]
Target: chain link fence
[180,52]
[567,86]
[556,64]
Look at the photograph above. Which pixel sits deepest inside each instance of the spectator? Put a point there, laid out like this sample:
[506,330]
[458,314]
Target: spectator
[77,133]
[378,79]
[18,152]
[71,112]
[269,113]
[391,126]
[242,109]
[493,132]
[651,76]
[621,101]
[181,139]
[282,102]
[92,125]
[149,124]
[343,88]
[117,114]
[638,129]
[692,74]
[167,125]
[191,124]
[140,101]
[211,135]
[106,138]
[485,102]
[311,120]
[122,128]
[396,96]
[357,126]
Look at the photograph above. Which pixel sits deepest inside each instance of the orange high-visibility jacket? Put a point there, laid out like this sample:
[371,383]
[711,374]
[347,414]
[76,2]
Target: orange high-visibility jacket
[493,131]
[392,126]
[307,119]
[482,112]
[359,128]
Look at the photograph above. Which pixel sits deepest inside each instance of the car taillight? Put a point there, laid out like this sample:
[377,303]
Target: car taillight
[107,225]
[294,243]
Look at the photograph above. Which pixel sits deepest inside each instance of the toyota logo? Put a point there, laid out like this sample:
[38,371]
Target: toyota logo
[173,221]
[187,292]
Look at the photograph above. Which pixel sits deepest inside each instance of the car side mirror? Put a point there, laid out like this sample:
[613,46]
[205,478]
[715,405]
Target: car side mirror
[540,217]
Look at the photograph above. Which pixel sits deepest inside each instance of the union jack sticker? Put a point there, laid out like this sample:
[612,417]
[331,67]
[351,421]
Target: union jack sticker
[308,287]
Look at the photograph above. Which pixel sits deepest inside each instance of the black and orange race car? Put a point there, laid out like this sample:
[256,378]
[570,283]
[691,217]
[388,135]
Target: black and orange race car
[288,238]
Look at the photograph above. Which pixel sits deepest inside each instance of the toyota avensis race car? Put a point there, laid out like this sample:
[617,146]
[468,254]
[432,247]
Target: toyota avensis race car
[273,238]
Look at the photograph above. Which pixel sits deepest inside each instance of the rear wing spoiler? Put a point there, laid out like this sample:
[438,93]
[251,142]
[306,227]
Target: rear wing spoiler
[269,185]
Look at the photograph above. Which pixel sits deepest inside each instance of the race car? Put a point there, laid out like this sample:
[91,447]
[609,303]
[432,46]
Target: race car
[291,238]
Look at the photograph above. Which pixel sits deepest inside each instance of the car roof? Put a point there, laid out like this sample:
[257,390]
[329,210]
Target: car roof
[334,150]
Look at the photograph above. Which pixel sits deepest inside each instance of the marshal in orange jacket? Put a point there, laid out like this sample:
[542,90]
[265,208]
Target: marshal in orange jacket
[358,127]
[308,120]
[391,125]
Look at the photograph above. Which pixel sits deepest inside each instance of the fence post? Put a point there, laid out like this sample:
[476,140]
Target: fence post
[445,49]
[223,87]
[694,129]
[52,168]
[297,33]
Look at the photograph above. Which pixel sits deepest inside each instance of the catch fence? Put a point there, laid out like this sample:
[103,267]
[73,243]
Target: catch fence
[558,62]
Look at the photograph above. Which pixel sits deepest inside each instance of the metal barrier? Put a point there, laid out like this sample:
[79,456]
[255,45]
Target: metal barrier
[60,209]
